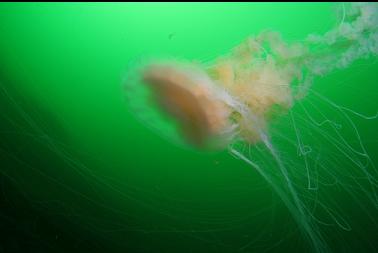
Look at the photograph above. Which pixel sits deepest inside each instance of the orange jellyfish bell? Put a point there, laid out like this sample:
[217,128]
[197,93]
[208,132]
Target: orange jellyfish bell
[189,96]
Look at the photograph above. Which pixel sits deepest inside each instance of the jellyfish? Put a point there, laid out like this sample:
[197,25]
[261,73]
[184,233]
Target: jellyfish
[235,101]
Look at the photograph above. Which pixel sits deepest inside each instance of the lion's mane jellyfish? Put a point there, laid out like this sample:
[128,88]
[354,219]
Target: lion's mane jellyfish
[230,102]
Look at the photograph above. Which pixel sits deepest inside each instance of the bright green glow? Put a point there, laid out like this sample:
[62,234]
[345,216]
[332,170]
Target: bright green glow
[69,59]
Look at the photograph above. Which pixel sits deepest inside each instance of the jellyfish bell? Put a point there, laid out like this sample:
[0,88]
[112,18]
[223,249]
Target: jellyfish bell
[188,95]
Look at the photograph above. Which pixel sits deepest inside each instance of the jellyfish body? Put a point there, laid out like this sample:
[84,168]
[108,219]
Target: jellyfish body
[190,97]
[232,98]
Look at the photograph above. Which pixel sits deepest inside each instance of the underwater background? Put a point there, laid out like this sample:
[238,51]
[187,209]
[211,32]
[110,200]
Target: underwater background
[79,173]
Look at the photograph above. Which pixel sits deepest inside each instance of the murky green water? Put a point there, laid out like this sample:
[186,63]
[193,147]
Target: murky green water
[80,173]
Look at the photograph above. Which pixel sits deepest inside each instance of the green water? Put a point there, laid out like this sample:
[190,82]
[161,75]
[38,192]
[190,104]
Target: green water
[80,173]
